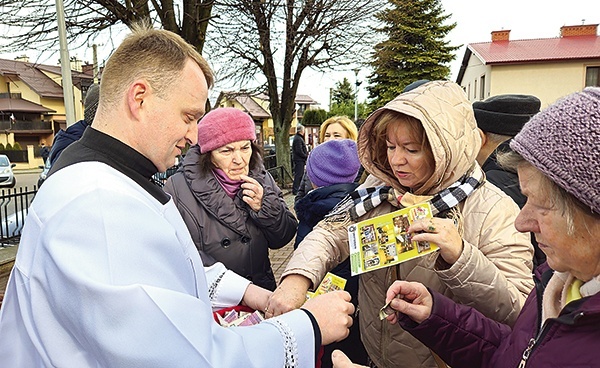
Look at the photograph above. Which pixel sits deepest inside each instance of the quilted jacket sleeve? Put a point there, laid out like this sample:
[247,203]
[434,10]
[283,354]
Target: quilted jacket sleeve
[460,335]
[321,250]
[494,272]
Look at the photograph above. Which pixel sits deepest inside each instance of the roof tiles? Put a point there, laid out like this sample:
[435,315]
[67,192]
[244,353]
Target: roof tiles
[557,49]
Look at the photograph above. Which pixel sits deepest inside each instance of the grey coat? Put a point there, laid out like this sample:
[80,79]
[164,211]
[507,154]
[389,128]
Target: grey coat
[228,230]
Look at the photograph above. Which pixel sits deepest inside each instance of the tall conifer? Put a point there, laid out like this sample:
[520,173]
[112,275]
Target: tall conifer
[415,48]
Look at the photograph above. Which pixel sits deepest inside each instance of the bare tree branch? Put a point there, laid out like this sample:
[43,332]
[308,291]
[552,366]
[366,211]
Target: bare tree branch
[32,24]
[274,41]
[265,44]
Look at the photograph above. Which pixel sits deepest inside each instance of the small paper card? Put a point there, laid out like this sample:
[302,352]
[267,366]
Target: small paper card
[330,282]
[383,241]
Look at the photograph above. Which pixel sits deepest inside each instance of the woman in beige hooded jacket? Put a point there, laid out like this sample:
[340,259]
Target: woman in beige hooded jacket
[483,260]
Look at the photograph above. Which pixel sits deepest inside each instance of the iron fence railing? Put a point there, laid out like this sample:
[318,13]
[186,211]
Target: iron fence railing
[281,176]
[14,205]
[279,173]
[16,155]
[20,125]
[270,161]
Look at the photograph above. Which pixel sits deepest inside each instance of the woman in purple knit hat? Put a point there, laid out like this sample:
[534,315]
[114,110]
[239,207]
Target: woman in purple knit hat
[230,203]
[558,162]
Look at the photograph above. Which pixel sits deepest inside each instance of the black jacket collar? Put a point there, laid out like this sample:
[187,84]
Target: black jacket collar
[100,147]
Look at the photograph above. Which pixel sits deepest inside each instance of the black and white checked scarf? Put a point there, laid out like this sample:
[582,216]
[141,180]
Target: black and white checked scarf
[364,200]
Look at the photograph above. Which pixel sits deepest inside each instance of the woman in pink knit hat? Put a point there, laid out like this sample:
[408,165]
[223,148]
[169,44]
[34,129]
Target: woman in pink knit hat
[230,203]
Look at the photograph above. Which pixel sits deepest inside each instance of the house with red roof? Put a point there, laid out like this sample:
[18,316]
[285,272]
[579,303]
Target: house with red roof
[548,68]
[32,105]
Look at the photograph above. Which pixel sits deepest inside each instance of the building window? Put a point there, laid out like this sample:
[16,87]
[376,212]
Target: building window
[592,76]
[482,88]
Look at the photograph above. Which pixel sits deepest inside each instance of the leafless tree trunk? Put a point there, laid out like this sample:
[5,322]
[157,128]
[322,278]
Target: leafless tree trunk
[265,43]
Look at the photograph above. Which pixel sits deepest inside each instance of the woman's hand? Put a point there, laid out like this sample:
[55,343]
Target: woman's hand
[410,298]
[252,192]
[340,360]
[443,233]
[256,297]
[290,294]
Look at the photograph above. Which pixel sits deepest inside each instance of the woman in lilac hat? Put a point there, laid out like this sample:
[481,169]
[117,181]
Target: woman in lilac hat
[331,169]
[558,161]
[230,203]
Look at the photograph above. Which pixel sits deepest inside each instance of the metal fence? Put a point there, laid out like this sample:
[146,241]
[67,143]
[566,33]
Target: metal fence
[279,173]
[270,161]
[14,205]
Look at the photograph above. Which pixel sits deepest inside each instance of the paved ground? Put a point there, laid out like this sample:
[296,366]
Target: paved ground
[280,257]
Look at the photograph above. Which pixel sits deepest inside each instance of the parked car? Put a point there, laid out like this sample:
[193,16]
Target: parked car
[160,178]
[7,177]
[269,149]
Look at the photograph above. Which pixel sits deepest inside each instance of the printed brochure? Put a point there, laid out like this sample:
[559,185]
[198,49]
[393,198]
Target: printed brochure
[383,241]
[330,282]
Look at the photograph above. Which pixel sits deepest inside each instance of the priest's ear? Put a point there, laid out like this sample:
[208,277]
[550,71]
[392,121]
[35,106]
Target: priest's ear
[136,94]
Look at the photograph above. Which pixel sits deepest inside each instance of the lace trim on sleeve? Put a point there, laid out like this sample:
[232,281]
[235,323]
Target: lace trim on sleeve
[214,287]
[289,343]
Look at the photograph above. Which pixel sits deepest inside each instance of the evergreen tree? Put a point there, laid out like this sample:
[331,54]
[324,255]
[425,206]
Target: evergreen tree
[314,117]
[342,101]
[343,92]
[415,48]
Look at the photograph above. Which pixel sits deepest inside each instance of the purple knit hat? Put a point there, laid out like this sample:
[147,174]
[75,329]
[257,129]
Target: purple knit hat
[333,162]
[562,141]
[223,126]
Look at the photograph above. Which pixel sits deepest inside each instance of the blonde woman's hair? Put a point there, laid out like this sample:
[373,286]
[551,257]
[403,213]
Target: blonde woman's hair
[157,55]
[344,121]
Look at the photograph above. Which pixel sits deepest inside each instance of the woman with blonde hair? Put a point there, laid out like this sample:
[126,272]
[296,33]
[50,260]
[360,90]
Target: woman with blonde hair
[336,127]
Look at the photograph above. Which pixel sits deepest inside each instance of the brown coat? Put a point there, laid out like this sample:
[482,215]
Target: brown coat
[493,274]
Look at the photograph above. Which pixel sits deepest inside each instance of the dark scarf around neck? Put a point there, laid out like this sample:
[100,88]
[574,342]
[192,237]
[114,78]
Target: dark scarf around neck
[361,201]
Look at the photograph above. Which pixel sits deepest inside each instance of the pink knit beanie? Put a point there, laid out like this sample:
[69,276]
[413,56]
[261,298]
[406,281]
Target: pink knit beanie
[562,141]
[333,162]
[223,126]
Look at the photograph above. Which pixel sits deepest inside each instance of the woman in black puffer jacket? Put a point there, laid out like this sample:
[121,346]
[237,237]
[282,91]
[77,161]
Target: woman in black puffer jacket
[232,206]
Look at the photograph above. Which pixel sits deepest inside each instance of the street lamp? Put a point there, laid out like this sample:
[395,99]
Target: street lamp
[356,94]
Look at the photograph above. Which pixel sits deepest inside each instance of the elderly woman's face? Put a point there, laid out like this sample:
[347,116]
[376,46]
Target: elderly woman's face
[233,159]
[410,161]
[578,254]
